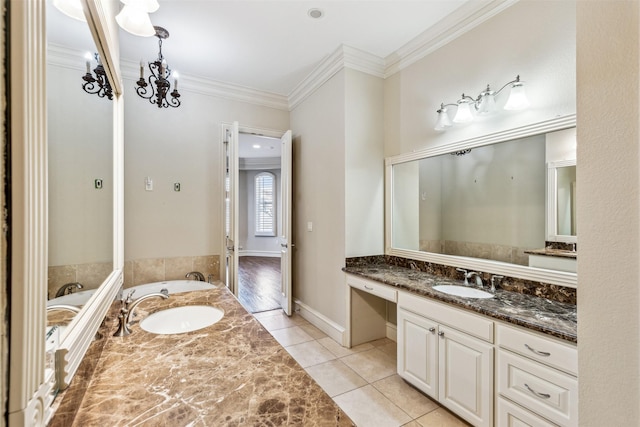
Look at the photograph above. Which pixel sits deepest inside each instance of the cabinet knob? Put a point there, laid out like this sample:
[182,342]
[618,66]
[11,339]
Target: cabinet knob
[441,333]
[432,329]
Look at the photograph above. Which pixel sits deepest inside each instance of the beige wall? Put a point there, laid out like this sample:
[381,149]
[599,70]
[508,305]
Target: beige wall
[180,145]
[532,38]
[608,212]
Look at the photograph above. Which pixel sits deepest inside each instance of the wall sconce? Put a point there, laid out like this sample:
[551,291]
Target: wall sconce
[134,17]
[484,103]
[99,84]
[159,86]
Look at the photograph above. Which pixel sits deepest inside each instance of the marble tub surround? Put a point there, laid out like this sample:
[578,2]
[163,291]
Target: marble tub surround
[543,290]
[563,253]
[149,270]
[232,373]
[91,276]
[541,314]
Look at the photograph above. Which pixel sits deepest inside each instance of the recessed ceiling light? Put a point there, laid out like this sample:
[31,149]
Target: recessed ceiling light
[256,146]
[315,13]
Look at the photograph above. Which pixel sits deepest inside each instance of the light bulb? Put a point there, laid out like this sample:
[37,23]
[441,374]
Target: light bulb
[517,98]
[487,104]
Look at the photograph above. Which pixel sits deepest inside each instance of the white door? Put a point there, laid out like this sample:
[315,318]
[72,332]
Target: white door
[286,246]
[231,205]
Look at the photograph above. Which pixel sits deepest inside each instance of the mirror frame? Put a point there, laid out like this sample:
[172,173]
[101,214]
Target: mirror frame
[496,267]
[552,203]
[30,395]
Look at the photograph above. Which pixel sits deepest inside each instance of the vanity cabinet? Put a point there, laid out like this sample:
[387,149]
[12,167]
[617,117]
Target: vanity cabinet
[536,379]
[448,354]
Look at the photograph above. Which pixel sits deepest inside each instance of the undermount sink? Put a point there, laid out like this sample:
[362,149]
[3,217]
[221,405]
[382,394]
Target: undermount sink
[183,319]
[463,291]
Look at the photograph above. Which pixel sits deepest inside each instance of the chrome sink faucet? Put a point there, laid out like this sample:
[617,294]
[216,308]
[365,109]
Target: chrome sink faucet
[470,275]
[127,309]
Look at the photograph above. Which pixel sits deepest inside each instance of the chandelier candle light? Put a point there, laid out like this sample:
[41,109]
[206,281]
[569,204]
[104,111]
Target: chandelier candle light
[159,85]
[484,103]
[99,84]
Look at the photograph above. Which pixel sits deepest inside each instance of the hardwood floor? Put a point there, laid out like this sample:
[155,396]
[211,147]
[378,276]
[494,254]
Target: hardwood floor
[259,281]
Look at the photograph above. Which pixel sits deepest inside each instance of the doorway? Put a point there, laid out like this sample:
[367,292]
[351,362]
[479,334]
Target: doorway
[259,221]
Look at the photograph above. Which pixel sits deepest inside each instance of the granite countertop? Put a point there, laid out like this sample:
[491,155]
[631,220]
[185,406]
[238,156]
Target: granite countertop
[563,253]
[232,373]
[540,314]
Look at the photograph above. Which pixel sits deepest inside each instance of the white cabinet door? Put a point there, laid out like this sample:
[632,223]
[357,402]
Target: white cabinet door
[466,376]
[418,351]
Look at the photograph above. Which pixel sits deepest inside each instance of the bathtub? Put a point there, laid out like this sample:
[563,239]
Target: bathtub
[173,286]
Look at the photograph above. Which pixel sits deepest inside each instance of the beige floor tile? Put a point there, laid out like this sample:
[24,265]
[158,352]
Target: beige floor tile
[313,331]
[405,396]
[390,349]
[372,365]
[366,406]
[381,342]
[441,418]
[310,353]
[335,377]
[280,321]
[265,314]
[341,351]
[412,424]
[291,336]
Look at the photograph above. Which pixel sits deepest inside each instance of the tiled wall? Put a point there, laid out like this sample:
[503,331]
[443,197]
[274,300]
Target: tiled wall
[141,271]
[504,253]
[90,275]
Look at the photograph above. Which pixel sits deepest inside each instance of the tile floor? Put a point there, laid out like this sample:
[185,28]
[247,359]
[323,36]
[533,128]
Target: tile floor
[362,380]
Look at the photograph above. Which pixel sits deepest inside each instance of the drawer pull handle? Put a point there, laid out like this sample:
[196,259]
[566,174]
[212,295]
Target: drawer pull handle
[539,353]
[369,288]
[441,334]
[541,395]
[432,329]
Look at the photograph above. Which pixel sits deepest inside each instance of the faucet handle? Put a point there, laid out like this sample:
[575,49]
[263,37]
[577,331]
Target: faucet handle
[494,278]
[466,275]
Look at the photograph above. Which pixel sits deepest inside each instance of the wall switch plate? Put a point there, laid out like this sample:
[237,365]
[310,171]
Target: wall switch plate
[176,186]
[309,226]
[98,184]
[148,184]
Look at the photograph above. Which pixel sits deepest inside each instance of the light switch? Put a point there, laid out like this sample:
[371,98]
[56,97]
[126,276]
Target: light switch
[148,184]
[309,226]
[98,184]
[176,186]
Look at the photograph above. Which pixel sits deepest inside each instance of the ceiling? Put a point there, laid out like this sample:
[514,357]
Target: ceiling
[266,45]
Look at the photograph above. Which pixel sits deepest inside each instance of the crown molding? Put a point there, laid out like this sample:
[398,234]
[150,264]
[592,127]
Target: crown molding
[343,57]
[62,56]
[259,163]
[208,87]
[462,20]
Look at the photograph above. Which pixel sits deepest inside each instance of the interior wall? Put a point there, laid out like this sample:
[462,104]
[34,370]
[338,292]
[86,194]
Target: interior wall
[319,199]
[180,145]
[531,38]
[608,173]
[80,141]
[249,243]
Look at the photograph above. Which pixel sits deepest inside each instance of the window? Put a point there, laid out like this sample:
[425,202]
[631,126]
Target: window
[265,204]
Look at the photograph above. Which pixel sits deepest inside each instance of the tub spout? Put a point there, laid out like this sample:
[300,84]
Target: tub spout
[198,276]
[68,288]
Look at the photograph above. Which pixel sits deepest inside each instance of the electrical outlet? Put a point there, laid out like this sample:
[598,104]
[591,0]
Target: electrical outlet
[98,184]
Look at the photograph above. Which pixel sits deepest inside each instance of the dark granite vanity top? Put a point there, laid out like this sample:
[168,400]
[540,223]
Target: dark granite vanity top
[540,314]
[553,252]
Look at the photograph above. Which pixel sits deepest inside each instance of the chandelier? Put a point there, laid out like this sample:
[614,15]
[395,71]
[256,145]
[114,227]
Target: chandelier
[159,86]
[99,84]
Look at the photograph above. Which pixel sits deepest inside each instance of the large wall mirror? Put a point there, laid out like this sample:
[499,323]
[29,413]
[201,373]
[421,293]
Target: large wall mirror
[485,203]
[80,171]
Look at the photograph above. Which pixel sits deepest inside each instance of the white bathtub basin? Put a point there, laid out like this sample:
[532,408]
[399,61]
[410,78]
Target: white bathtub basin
[76,298]
[463,291]
[183,319]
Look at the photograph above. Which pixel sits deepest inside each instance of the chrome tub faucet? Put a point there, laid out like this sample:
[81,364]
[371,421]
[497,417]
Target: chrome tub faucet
[68,288]
[198,276]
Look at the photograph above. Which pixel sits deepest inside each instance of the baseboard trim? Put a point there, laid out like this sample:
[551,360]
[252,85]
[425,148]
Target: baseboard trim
[392,332]
[321,322]
[260,253]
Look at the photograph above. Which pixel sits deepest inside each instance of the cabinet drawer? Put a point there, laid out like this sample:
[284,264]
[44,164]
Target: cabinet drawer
[541,389]
[539,348]
[478,326]
[511,415]
[377,289]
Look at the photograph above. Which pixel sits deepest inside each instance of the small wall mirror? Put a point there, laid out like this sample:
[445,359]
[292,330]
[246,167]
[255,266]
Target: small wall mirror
[484,203]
